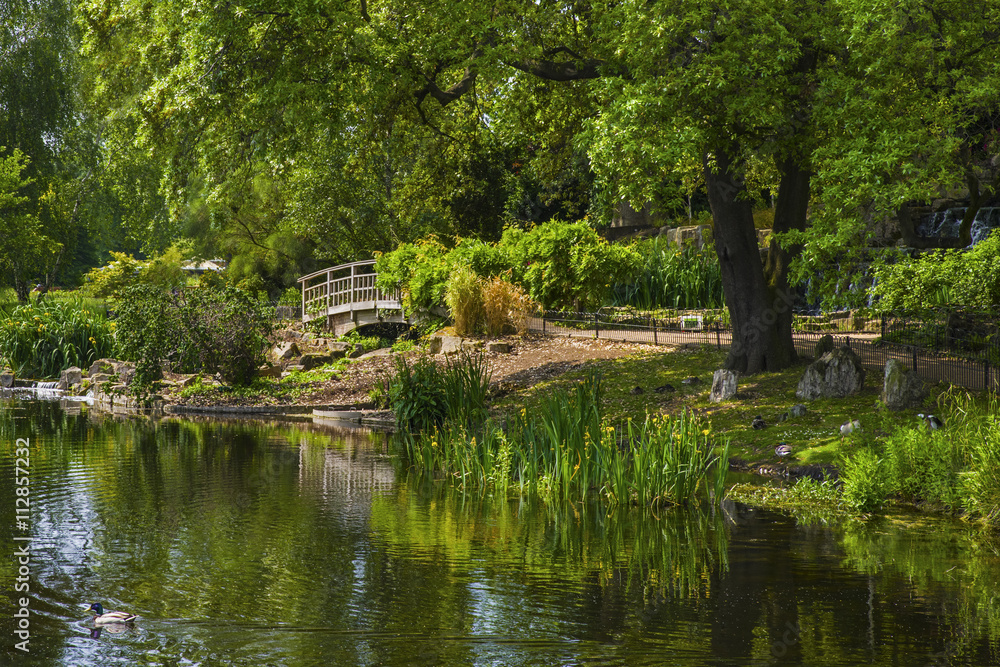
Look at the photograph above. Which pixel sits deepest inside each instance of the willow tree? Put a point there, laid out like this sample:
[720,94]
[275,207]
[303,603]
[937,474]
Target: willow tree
[856,106]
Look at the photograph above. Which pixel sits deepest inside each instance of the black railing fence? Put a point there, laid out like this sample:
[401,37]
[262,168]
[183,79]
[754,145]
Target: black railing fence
[963,350]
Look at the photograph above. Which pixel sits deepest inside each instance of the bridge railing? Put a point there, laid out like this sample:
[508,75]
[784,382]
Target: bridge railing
[344,288]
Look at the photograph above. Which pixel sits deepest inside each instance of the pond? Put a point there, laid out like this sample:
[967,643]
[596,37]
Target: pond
[250,543]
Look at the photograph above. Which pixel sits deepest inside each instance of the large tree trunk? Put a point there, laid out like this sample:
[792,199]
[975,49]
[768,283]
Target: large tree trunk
[755,309]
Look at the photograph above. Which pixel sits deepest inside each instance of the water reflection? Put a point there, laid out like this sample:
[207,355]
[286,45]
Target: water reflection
[264,544]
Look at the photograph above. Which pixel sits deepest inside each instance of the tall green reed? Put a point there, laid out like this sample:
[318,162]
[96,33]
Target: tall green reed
[672,277]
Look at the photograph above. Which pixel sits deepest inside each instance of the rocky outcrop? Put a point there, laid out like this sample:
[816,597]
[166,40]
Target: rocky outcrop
[902,388]
[723,385]
[823,345]
[71,377]
[836,374]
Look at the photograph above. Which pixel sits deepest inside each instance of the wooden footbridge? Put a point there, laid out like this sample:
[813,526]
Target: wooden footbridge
[347,297]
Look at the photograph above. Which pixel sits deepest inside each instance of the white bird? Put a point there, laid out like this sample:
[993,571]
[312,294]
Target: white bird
[849,427]
[933,423]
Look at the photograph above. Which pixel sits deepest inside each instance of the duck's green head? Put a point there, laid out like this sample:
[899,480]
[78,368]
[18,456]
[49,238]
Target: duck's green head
[97,608]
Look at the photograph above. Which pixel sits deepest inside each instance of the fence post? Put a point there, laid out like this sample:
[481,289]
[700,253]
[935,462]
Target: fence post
[986,374]
[883,326]
[718,336]
[847,342]
[655,342]
[597,326]
[543,321]
[914,351]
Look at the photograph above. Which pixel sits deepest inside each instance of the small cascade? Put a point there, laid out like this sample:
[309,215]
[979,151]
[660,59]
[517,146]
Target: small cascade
[46,386]
[987,219]
[947,224]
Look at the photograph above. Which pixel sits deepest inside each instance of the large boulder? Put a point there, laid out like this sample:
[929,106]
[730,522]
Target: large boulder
[723,385]
[902,388]
[311,361]
[103,366]
[6,379]
[834,375]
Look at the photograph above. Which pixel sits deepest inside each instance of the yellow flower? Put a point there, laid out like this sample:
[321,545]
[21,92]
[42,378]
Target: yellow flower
[93,341]
[705,432]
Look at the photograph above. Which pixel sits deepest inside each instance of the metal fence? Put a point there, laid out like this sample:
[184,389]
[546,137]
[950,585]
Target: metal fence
[968,361]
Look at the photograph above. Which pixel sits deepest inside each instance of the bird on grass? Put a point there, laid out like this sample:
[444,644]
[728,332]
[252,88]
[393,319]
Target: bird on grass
[849,427]
[102,617]
[783,449]
[758,423]
[933,423]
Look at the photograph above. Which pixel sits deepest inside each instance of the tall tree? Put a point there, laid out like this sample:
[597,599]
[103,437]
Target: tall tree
[856,106]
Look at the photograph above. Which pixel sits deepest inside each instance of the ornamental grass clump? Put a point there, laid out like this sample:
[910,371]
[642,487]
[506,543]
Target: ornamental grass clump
[42,338]
[672,277]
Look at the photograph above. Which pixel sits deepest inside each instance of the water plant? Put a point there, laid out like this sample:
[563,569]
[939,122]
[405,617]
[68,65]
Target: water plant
[41,338]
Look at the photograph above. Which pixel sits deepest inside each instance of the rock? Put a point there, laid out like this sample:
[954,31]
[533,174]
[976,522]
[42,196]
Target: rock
[358,351]
[125,371]
[798,410]
[901,388]
[69,377]
[102,366]
[97,379]
[311,361]
[338,349]
[834,375]
[6,379]
[637,391]
[381,352]
[664,388]
[273,372]
[285,350]
[449,344]
[723,385]
[498,347]
[823,345]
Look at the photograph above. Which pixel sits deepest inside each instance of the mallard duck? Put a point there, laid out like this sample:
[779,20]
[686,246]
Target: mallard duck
[933,423]
[758,423]
[783,449]
[102,617]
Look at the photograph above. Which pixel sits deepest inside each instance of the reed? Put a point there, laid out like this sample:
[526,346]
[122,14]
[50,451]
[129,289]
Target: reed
[672,277]
[566,451]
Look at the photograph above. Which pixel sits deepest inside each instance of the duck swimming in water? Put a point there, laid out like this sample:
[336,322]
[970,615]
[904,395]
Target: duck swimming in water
[102,617]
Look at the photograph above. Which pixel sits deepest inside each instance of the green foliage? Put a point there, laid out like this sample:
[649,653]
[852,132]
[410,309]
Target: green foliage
[223,330]
[566,265]
[163,272]
[42,338]
[290,297]
[865,479]
[419,269]
[923,465]
[671,277]
[939,279]
[416,395]
[565,450]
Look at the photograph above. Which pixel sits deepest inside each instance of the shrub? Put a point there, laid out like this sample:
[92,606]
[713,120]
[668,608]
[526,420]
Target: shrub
[420,270]
[981,485]
[223,330]
[970,278]
[42,338]
[567,265]
[924,465]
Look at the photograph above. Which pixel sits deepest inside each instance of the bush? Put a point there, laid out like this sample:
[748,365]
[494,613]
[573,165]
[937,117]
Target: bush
[924,465]
[163,272]
[567,265]
[416,395]
[42,338]
[970,278]
[505,305]
[223,330]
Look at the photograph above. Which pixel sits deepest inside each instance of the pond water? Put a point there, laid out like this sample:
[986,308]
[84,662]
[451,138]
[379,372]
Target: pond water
[245,543]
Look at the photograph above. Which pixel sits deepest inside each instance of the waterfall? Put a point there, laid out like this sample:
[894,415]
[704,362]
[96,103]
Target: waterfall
[947,223]
[46,386]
